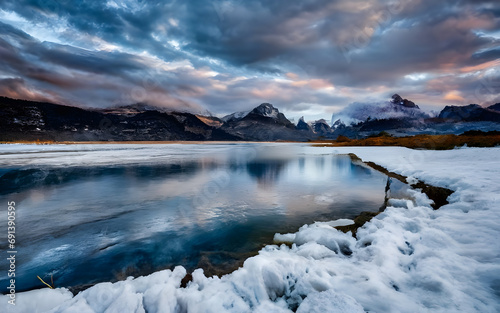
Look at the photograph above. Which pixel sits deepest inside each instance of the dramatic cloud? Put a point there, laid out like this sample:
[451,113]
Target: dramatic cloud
[310,57]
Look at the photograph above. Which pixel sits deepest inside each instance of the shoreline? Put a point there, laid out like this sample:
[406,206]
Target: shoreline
[359,221]
[137,142]
[438,195]
[401,246]
[425,142]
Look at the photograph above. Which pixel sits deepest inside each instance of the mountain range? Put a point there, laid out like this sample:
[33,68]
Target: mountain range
[22,120]
[401,117]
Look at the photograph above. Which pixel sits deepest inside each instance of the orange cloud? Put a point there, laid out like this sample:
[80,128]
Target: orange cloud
[314,84]
[17,89]
[266,93]
[480,67]
[320,84]
[453,96]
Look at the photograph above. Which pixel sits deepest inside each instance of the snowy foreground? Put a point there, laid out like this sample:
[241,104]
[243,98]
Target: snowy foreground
[408,259]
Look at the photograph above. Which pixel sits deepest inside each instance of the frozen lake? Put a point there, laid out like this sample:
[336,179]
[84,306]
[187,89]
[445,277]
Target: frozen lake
[94,213]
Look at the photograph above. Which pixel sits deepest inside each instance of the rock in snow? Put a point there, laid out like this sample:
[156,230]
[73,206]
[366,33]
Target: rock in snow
[321,127]
[267,110]
[409,258]
[396,99]
[302,125]
[235,116]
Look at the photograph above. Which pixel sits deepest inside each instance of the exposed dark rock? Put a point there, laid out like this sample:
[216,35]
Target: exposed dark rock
[386,124]
[480,133]
[188,278]
[271,115]
[302,125]
[495,107]
[469,113]
[266,109]
[396,99]
[28,120]
[437,194]
[31,121]
[322,128]
[265,123]
[338,124]
[359,221]
[132,109]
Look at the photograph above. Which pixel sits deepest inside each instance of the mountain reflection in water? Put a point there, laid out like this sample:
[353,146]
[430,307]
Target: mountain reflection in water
[152,207]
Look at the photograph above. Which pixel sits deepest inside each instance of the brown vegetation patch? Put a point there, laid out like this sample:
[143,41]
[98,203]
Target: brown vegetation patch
[431,142]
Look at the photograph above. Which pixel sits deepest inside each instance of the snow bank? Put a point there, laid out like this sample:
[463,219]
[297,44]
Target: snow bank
[409,258]
[41,300]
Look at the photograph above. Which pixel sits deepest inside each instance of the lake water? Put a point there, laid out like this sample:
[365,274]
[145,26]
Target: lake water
[93,213]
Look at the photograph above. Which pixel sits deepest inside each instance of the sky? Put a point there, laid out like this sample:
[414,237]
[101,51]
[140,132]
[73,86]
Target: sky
[308,58]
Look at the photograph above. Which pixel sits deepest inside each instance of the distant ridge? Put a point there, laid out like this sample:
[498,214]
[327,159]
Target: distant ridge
[29,120]
[22,120]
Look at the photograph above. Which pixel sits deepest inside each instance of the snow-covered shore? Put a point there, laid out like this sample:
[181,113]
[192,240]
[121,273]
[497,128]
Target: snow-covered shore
[407,259]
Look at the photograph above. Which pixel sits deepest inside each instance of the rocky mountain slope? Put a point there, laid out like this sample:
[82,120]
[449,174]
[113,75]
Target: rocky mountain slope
[22,120]
[264,123]
[401,117]
[471,113]
[29,121]
[396,108]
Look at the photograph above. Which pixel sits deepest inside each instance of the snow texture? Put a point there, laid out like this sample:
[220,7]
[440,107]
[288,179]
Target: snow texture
[235,116]
[361,111]
[409,258]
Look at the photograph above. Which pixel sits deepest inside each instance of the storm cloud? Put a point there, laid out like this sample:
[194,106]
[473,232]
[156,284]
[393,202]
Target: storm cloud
[310,57]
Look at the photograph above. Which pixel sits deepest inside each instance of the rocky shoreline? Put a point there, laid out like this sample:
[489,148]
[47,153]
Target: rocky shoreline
[438,195]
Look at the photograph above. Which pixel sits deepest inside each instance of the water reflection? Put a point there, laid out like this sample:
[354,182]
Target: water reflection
[266,173]
[19,180]
[86,224]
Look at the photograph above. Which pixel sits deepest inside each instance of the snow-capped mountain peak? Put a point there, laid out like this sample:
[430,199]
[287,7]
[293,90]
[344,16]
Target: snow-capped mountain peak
[235,116]
[396,99]
[267,110]
[397,107]
[338,124]
[321,127]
